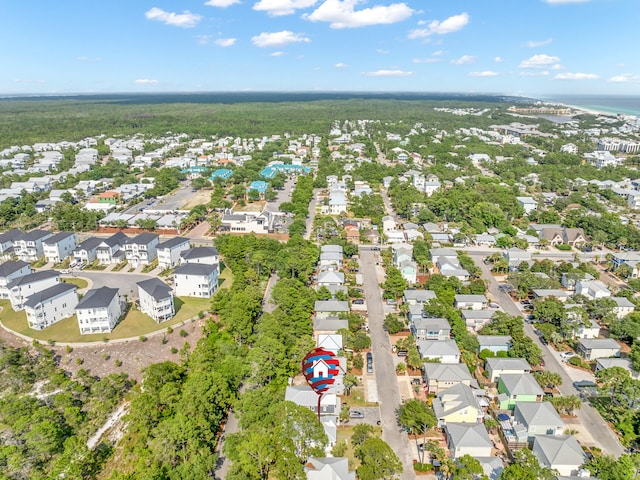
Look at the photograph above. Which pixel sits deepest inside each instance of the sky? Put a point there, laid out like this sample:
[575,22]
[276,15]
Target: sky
[531,48]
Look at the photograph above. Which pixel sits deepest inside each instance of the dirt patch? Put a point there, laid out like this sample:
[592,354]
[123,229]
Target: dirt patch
[198,198]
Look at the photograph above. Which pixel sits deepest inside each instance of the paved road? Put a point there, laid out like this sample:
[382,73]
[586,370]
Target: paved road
[312,214]
[388,208]
[177,199]
[283,195]
[383,366]
[587,415]
[124,282]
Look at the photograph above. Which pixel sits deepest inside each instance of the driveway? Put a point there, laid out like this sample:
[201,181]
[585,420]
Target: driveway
[589,418]
[283,195]
[123,281]
[384,367]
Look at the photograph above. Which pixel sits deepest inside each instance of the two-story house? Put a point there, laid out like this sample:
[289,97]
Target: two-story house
[415,296]
[518,388]
[10,271]
[111,250]
[156,299]
[195,280]
[170,250]
[430,328]
[203,255]
[141,249]
[51,305]
[6,243]
[22,288]
[538,418]
[470,302]
[60,246]
[99,310]
[87,251]
[443,351]
[441,376]
[30,247]
[457,404]
[496,367]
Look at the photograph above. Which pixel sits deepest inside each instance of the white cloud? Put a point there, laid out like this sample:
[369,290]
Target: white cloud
[342,14]
[276,54]
[560,2]
[541,43]
[278,39]
[203,39]
[89,59]
[146,81]
[186,19]
[498,59]
[486,73]
[277,8]
[625,78]
[427,60]
[543,73]
[221,3]
[463,59]
[340,65]
[225,42]
[438,53]
[576,76]
[382,52]
[388,73]
[539,61]
[449,25]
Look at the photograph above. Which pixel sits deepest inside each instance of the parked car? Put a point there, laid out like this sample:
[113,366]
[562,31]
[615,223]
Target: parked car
[567,355]
[403,353]
[358,301]
[391,301]
[369,362]
[356,414]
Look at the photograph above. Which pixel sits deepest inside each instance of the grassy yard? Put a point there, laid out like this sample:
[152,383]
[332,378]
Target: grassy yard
[134,324]
[79,282]
[357,398]
[225,279]
[345,433]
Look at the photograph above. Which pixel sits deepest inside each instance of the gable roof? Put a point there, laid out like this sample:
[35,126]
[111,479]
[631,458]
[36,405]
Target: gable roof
[597,343]
[459,397]
[33,277]
[201,269]
[172,242]
[558,450]
[521,384]
[58,237]
[7,268]
[493,340]
[331,306]
[468,435]
[49,293]
[97,298]
[156,288]
[497,363]
[436,348]
[117,238]
[538,413]
[328,468]
[34,235]
[199,252]
[431,323]
[89,244]
[447,372]
[420,296]
[11,235]
[143,239]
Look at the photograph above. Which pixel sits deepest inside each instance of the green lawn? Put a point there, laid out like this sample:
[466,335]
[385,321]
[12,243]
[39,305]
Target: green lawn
[134,324]
[79,282]
[344,433]
[225,279]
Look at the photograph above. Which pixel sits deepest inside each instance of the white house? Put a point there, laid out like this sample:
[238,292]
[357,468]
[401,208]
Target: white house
[29,247]
[6,242]
[594,348]
[87,251]
[388,224]
[60,246]
[470,302]
[444,351]
[156,299]
[99,310]
[22,288]
[111,250]
[141,250]
[623,306]
[170,250]
[538,418]
[195,280]
[10,271]
[468,439]
[527,203]
[496,367]
[204,255]
[51,305]
[328,468]
[559,452]
[593,289]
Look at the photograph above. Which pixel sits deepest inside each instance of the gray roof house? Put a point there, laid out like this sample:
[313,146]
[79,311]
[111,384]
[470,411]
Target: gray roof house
[441,376]
[494,343]
[496,367]
[330,308]
[593,348]
[329,468]
[559,452]
[476,319]
[415,296]
[457,404]
[472,302]
[444,351]
[430,328]
[468,439]
[156,299]
[305,396]
[539,418]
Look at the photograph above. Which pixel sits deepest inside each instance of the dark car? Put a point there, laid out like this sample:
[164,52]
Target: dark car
[358,302]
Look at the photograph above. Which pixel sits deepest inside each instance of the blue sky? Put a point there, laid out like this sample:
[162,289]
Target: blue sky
[515,47]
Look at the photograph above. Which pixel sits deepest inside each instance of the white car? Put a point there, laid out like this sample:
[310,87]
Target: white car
[567,355]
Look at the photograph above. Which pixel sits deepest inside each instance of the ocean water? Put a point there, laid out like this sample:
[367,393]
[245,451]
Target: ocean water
[611,104]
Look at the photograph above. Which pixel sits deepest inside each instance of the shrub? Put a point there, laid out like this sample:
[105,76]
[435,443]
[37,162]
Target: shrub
[79,361]
[143,338]
[575,361]
[69,349]
[169,330]
[563,246]
[174,350]
[164,340]
[183,333]
[118,363]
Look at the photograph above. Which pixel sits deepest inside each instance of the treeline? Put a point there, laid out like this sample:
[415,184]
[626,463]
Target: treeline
[46,418]
[299,205]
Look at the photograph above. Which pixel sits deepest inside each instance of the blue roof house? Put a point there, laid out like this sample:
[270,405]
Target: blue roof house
[260,186]
[223,173]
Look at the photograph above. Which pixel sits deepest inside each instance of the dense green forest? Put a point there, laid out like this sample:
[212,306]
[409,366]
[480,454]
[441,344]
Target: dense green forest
[26,121]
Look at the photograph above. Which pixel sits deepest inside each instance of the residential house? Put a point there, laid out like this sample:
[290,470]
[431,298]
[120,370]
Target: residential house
[468,439]
[484,240]
[305,396]
[388,224]
[516,388]
[470,302]
[23,287]
[414,296]
[329,342]
[623,306]
[87,251]
[476,319]
[590,330]
[593,289]
[444,351]
[330,261]
[6,243]
[538,418]
[30,247]
[625,363]
[457,404]
[428,328]
[330,308]
[204,255]
[496,367]
[569,280]
[515,256]
[556,234]
[156,299]
[562,453]
[170,250]
[441,376]
[99,310]
[631,259]
[10,271]
[401,252]
[494,343]
[594,348]
[352,233]
[141,249]
[60,246]
[550,292]
[111,250]
[51,305]
[195,280]
[330,278]
[528,204]
[328,468]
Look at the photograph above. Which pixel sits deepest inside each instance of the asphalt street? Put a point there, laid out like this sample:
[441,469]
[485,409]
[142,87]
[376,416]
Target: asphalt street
[587,415]
[124,282]
[384,368]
